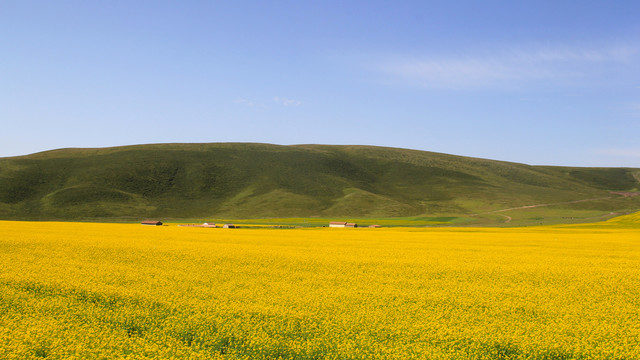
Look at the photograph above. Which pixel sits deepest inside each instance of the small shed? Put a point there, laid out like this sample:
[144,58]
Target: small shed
[340,224]
[351,225]
[151,222]
[374,226]
[229,226]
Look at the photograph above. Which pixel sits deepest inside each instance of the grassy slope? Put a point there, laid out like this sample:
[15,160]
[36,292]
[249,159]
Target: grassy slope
[260,180]
[629,221]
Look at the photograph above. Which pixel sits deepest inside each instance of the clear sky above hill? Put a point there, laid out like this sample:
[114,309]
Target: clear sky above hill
[538,82]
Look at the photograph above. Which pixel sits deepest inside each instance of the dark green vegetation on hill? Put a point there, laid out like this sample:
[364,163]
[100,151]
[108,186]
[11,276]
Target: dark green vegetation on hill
[260,180]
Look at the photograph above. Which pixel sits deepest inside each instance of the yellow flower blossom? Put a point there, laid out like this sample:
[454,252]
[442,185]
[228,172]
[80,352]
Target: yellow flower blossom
[122,291]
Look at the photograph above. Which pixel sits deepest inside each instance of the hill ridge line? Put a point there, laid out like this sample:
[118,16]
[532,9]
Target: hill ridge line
[254,180]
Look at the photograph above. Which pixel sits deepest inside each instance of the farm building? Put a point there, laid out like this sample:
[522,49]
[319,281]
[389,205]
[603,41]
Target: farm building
[374,226]
[229,226]
[151,222]
[342,224]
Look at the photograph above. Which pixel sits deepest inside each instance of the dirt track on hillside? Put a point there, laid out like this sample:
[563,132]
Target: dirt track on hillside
[508,218]
[543,205]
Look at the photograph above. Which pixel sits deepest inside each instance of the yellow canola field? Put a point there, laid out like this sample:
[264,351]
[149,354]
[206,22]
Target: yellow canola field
[122,291]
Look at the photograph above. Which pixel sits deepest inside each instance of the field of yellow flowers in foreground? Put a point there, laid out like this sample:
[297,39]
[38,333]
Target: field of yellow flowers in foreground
[122,291]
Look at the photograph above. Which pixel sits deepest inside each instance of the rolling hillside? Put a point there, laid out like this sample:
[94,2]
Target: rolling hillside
[240,180]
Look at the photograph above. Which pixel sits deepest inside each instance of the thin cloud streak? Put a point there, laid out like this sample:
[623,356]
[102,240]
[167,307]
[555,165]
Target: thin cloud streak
[276,99]
[504,69]
[245,102]
[287,102]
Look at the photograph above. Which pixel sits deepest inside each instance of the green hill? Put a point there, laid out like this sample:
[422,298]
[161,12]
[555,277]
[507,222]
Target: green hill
[239,180]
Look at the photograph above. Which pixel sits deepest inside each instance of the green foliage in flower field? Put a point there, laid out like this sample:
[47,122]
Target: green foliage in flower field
[123,291]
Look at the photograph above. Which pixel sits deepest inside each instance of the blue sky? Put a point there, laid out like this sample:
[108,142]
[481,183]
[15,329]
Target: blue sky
[537,82]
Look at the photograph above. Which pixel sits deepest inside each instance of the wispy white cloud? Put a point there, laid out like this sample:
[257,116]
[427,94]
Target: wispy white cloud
[504,68]
[245,102]
[287,102]
[610,54]
[276,99]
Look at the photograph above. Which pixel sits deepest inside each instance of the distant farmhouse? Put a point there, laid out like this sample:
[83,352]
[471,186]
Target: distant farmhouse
[340,224]
[151,222]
